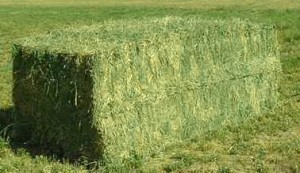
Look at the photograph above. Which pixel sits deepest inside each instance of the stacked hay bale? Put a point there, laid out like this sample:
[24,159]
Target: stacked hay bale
[124,88]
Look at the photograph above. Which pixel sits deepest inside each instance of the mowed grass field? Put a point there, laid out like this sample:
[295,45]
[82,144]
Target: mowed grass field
[268,143]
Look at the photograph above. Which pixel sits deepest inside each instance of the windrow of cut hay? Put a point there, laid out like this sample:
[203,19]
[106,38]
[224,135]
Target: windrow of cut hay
[131,87]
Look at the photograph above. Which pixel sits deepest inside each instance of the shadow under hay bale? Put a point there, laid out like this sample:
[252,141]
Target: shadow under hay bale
[123,88]
[6,122]
[13,132]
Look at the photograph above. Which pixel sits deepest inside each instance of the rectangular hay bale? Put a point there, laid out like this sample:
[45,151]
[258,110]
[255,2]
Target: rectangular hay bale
[126,87]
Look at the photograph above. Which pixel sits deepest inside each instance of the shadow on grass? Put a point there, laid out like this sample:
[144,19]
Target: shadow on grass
[7,132]
[6,122]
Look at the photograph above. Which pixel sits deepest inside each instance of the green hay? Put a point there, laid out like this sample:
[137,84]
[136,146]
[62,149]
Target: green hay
[132,87]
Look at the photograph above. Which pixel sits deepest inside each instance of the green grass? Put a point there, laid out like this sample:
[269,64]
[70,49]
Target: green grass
[268,143]
[21,161]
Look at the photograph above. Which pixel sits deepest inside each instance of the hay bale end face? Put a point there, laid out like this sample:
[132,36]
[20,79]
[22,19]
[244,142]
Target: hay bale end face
[120,88]
[53,100]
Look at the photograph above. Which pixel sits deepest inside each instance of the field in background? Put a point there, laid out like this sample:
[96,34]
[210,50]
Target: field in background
[196,4]
[269,143]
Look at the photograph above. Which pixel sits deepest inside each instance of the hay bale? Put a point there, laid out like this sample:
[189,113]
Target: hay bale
[124,88]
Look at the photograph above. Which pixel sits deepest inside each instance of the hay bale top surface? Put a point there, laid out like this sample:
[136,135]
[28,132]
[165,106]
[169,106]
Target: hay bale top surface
[97,38]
